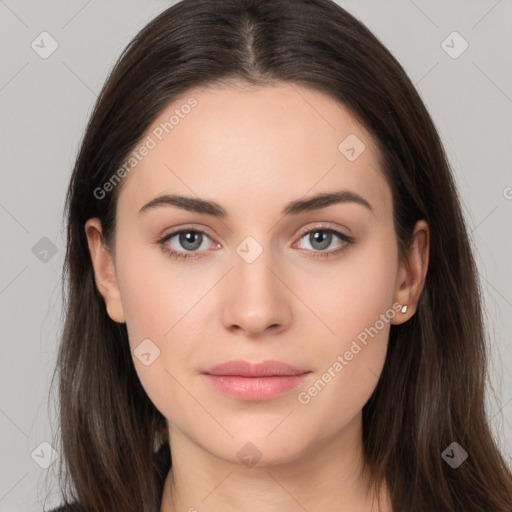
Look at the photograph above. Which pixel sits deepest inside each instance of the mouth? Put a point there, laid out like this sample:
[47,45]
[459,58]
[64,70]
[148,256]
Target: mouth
[243,380]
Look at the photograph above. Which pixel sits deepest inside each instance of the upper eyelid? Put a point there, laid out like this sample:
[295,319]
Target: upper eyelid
[175,232]
[324,227]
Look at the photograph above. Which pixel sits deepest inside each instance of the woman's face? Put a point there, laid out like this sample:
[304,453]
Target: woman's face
[257,285]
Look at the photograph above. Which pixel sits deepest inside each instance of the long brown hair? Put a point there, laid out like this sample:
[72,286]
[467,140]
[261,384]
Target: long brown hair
[431,391]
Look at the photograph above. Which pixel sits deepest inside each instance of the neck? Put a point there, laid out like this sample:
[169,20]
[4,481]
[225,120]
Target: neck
[327,476]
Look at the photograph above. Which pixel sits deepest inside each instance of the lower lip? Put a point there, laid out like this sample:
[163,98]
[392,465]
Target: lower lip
[255,388]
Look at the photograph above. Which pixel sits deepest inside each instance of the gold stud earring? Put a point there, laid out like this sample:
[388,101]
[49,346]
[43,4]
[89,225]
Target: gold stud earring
[404,309]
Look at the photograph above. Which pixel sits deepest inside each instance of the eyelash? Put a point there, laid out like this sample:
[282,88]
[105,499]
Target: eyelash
[348,240]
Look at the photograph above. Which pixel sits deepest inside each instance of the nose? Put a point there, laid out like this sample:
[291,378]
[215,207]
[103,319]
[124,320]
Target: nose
[257,298]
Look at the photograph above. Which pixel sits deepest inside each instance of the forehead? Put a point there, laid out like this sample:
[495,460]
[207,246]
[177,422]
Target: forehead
[238,143]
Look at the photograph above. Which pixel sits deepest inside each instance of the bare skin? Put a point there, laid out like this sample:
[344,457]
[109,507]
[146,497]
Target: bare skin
[253,150]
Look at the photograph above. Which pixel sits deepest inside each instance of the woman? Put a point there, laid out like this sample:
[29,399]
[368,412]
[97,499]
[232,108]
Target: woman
[319,345]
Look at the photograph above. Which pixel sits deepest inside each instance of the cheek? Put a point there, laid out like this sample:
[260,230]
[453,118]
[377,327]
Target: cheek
[156,295]
[153,311]
[356,304]
[358,290]
[158,303]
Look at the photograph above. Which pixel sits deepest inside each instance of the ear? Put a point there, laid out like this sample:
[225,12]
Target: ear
[412,272]
[104,270]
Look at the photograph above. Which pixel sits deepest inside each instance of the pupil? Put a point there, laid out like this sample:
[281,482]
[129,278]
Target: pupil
[322,235]
[188,238]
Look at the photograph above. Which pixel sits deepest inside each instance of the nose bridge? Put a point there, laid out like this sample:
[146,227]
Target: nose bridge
[256,296]
[251,273]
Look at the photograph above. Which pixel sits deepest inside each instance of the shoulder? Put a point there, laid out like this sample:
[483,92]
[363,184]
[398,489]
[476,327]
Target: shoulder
[161,465]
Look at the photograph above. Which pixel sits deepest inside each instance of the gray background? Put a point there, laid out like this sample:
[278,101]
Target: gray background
[44,107]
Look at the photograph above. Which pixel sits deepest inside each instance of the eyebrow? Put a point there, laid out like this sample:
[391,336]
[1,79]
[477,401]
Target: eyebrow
[193,204]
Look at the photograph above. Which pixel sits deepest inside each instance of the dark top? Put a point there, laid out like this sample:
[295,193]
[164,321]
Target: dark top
[161,464]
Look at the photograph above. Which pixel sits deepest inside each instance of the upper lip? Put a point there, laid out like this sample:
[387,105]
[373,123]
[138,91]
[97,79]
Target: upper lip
[248,369]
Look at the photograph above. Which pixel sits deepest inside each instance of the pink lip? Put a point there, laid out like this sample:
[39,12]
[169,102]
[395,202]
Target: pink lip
[254,381]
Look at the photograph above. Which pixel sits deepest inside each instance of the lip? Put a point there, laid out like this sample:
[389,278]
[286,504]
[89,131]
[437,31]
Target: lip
[244,380]
[247,369]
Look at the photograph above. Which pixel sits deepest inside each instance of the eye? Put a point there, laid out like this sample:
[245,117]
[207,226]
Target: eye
[185,243]
[321,238]
[191,240]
